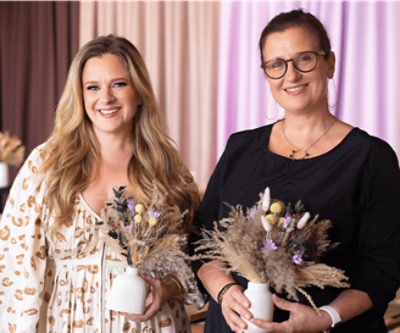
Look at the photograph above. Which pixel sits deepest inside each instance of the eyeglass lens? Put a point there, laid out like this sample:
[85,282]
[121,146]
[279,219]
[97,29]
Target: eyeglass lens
[303,62]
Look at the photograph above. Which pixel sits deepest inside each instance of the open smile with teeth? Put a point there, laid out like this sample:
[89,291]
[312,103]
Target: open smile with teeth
[108,111]
[295,89]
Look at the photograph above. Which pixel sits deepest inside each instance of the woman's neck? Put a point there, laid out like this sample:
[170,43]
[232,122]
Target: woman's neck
[111,145]
[307,124]
[304,133]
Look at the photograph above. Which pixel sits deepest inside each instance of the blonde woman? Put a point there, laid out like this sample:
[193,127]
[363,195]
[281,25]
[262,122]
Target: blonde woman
[55,273]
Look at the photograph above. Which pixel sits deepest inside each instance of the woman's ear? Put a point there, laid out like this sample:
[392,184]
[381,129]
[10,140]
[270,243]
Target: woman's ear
[331,64]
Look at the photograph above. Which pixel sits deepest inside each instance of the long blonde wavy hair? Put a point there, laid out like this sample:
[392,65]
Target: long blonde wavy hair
[72,149]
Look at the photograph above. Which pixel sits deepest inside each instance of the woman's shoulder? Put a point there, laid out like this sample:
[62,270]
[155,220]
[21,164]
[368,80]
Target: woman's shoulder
[256,137]
[373,147]
[36,156]
[33,162]
[370,141]
[29,179]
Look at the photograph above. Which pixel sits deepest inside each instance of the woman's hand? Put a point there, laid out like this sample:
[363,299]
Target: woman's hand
[235,305]
[158,295]
[302,319]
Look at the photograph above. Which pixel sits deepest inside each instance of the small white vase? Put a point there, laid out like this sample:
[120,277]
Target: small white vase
[128,292]
[261,307]
[4,180]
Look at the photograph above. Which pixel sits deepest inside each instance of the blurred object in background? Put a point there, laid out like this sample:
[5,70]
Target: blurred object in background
[12,152]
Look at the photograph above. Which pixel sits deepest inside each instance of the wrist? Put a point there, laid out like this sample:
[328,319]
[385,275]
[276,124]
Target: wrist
[334,316]
[223,290]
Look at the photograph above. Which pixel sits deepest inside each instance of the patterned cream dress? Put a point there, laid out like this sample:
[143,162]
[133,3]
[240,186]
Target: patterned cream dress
[60,283]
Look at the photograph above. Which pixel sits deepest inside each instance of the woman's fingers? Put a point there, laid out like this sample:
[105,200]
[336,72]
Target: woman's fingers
[150,311]
[236,299]
[234,306]
[153,301]
[270,326]
[130,316]
[302,318]
[151,281]
[233,320]
[149,299]
[283,304]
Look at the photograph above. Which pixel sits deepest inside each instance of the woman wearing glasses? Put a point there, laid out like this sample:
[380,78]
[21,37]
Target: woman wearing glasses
[337,170]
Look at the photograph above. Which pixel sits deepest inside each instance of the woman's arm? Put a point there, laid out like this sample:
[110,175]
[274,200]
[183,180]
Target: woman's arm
[234,304]
[22,252]
[351,303]
[376,277]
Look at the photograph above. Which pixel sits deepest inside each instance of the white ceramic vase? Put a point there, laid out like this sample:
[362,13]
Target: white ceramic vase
[261,306]
[128,292]
[4,180]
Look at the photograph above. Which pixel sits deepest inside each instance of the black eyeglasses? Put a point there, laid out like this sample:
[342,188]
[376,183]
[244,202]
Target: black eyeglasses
[304,62]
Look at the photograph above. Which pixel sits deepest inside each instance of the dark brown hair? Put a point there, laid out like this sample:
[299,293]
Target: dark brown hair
[297,18]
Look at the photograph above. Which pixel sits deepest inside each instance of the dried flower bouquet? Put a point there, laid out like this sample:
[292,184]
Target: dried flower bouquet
[149,237]
[276,243]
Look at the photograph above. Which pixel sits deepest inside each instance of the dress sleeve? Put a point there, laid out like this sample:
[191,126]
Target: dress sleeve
[22,251]
[378,273]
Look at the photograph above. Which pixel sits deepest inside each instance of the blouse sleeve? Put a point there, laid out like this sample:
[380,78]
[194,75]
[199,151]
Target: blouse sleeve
[378,273]
[22,251]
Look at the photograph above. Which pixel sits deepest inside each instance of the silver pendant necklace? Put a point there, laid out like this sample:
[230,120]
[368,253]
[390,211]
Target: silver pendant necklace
[296,150]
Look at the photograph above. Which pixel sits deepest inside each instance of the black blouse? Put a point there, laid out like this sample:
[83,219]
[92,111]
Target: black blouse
[356,185]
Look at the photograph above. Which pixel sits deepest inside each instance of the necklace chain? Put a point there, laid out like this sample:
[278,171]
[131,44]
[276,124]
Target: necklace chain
[296,150]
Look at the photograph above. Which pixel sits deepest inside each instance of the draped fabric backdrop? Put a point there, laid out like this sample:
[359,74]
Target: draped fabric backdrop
[37,43]
[364,91]
[204,62]
[179,42]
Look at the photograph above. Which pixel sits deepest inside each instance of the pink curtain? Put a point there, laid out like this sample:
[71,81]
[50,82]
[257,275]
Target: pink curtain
[179,42]
[205,65]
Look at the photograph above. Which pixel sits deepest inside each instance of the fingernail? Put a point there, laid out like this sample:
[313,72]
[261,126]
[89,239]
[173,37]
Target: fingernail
[247,316]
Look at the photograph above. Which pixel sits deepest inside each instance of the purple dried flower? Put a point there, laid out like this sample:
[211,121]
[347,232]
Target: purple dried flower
[287,221]
[128,228]
[297,258]
[269,245]
[154,213]
[131,205]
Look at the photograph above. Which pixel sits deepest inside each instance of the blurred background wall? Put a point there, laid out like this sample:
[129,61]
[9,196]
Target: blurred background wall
[204,62]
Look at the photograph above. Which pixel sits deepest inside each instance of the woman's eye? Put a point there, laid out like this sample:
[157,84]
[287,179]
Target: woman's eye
[304,58]
[92,87]
[277,64]
[120,84]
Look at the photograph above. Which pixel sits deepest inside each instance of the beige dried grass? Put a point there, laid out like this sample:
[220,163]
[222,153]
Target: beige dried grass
[239,241]
[155,247]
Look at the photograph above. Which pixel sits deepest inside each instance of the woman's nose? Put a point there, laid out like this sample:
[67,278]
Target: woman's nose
[107,95]
[292,73]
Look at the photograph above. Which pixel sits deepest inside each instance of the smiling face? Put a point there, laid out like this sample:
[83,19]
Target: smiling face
[110,99]
[296,91]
